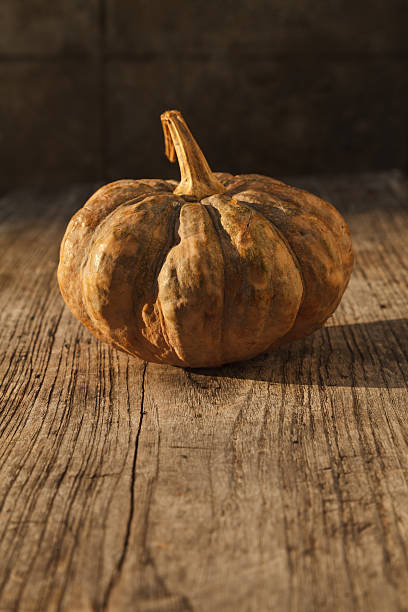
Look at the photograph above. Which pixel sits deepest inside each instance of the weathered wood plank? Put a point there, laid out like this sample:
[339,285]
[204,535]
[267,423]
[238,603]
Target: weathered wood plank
[276,484]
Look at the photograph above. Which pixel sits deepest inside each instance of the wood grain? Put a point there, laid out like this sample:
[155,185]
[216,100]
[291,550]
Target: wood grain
[275,484]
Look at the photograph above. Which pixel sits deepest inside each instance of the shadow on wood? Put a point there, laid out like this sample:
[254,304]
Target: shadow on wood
[358,355]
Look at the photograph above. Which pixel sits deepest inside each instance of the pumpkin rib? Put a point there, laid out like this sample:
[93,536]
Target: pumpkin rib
[241,270]
[174,241]
[305,199]
[162,320]
[189,289]
[304,318]
[288,246]
[104,229]
[311,214]
[79,229]
[290,250]
[276,206]
[320,219]
[291,195]
[211,213]
[238,180]
[88,246]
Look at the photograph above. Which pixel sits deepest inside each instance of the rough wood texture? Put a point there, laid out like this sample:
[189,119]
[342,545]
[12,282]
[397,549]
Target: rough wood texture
[279,484]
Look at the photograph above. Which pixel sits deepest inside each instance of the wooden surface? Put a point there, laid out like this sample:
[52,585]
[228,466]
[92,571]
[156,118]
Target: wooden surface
[276,484]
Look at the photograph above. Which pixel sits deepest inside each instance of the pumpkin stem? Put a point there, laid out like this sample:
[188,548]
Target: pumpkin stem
[197,180]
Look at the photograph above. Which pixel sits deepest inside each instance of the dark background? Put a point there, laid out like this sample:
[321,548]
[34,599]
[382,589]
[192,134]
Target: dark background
[277,87]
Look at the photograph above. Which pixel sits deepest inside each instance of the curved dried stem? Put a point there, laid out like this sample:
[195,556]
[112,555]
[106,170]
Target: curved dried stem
[197,180]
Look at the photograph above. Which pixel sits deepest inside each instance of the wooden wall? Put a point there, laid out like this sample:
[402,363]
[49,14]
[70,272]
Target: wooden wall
[279,87]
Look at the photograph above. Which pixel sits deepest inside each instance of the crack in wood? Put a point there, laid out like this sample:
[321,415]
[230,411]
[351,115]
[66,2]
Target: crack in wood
[115,576]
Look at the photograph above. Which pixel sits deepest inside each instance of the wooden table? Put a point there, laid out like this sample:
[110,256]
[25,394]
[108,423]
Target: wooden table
[279,484]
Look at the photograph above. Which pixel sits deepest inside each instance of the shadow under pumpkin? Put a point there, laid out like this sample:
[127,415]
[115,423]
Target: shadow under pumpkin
[359,355]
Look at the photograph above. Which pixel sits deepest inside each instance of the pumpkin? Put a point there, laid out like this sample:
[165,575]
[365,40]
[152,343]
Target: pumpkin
[215,269]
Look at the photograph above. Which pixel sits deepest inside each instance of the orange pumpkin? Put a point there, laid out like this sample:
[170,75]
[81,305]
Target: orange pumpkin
[218,268]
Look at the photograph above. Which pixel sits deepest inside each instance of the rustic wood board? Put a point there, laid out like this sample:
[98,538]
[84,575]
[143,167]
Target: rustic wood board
[276,484]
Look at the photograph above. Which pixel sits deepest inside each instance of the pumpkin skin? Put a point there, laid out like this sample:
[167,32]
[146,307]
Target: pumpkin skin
[229,268]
